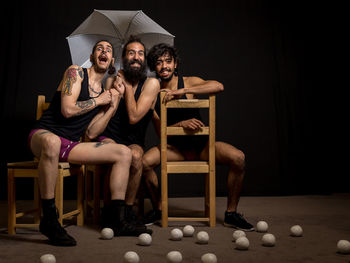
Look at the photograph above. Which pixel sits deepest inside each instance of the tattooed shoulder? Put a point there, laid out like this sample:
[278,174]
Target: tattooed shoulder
[71,78]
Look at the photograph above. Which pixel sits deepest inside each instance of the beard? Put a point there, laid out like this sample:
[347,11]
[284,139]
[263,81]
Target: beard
[166,79]
[132,74]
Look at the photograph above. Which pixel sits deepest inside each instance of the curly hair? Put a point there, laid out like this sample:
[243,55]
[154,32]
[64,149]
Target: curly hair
[160,50]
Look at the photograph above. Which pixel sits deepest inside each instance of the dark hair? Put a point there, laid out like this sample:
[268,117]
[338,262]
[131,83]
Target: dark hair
[160,50]
[133,39]
[94,48]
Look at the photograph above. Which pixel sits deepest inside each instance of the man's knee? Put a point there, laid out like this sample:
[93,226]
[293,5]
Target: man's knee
[239,160]
[122,153]
[137,158]
[149,162]
[51,146]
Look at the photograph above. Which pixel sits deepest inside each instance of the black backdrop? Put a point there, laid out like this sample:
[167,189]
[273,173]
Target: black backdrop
[265,53]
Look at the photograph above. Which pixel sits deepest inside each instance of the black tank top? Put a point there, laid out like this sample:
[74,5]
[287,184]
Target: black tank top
[70,128]
[193,142]
[121,131]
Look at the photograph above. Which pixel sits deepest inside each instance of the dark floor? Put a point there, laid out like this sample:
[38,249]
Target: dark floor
[324,219]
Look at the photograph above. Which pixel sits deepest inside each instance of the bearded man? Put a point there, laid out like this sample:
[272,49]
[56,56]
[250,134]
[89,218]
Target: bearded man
[129,123]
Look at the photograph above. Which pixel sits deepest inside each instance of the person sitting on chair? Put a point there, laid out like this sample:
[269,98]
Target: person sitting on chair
[129,124]
[56,137]
[163,59]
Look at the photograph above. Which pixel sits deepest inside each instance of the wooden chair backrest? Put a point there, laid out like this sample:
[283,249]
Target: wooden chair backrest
[42,105]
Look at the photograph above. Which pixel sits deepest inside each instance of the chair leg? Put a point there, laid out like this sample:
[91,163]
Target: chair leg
[212,212]
[11,186]
[59,197]
[80,197]
[96,201]
[164,189]
[206,197]
[37,201]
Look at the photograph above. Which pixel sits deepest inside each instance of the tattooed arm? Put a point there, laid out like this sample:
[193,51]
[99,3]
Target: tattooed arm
[70,88]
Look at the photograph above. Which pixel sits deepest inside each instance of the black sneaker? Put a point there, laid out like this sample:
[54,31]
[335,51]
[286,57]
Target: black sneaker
[56,234]
[236,220]
[153,216]
[128,229]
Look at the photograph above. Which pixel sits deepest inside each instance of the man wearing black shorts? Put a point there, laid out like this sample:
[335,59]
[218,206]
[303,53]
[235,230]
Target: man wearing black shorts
[163,60]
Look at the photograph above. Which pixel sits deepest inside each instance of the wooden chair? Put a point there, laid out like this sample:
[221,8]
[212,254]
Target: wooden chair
[29,169]
[204,167]
[93,192]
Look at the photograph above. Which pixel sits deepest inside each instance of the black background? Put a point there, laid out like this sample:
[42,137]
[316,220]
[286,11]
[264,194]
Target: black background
[273,58]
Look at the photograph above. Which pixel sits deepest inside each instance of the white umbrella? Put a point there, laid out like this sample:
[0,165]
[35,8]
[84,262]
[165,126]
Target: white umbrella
[116,27]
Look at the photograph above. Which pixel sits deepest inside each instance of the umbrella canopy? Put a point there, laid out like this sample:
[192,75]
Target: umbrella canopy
[116,27]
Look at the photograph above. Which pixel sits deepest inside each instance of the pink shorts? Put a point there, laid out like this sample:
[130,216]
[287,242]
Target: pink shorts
[66,146]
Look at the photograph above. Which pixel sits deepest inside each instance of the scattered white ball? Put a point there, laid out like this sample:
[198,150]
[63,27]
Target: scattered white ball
[176,234]
[209,258]
[262,226]
[343,246]
[242,243]
[238,233]
[131,257]
[268,240]
[188,231]
[202,237]
[296,231]
[145,239]
[107,233]
[47,258]
[174,257]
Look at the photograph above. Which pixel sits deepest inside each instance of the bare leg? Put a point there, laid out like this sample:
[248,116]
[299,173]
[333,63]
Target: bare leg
[235,159]
[135,174]
[116,154]
[151,159]
[46,146]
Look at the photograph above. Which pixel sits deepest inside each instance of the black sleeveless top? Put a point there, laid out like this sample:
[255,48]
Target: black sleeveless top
[70,128]
[121,131]
[193,142]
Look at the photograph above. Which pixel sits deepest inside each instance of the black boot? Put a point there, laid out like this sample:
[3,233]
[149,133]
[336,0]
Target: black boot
[131,217]
[51,228]
[121,226]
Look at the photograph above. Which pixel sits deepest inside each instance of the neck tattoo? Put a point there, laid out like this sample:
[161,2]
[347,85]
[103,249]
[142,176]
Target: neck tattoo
[94,91]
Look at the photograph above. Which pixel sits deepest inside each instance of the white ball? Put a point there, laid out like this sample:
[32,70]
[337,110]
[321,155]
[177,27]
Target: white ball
[209,258]
[131,257]
[343,246]
[242,243]
[238,233]
[145,239]
[296,231]
[268,240]
[47,258]
[188,231]
[176,234]
[107,233]
[262,226]
[174,257]
[202,237]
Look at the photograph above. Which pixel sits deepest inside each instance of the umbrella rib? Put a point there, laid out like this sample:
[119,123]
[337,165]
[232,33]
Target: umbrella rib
[113,25]
[127,31]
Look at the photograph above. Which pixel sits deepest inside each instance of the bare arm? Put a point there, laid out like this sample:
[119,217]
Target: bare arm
[195,86]
[100,121]
[70,88]
[190,124]
[137,109]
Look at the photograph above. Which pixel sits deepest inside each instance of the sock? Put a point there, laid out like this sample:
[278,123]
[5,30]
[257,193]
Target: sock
[49,207]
